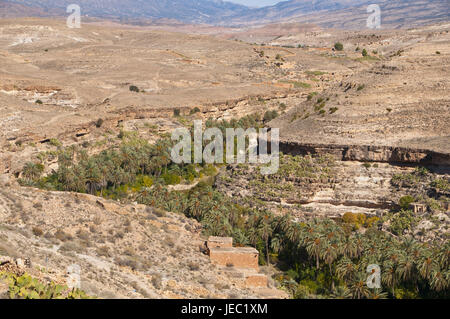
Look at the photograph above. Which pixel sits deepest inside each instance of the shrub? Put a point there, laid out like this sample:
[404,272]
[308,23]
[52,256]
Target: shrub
[401,221]
[333,110]
[193,266]
[441,184]
[311,95]
[209,170]
[364,53]
[270,115]
[134,88]
[194,110]
[62,236]
[355,220]
[176,112]
[361,87]
[159,212]
[37,231]
[38,102]
[157,281]
[406,201]
[55,142]
[99,123]
[171,178]
[339,46]
[27,287]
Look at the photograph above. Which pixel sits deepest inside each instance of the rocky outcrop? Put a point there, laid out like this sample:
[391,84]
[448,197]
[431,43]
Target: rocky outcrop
[369,153]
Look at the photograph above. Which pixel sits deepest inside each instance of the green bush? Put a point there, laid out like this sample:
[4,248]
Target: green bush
[27,287]
[441,184]
[171,178]
[402,221]
[55,142]
[209,170]
[134,88]
[99,123]
[406,201]
[311,95]
[364,53]
[339,46]
[270,115]
[333,110]
[194,110]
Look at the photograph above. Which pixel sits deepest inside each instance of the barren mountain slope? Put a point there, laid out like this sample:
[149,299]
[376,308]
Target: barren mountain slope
[56,82]
[401,100]
[351,14]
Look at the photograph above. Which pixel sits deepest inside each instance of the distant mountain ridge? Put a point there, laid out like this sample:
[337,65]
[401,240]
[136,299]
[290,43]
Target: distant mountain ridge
[327,13]
[188,11]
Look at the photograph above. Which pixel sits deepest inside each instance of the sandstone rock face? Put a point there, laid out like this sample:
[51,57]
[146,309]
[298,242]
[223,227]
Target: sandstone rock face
[368,153]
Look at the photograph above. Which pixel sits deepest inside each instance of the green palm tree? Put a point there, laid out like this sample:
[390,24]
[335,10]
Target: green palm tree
[329,254]
[341,292]
[348,247]
[359,288]
[32,171]
[426,263]
[265,229]
[389,275]
[314,247]
[346,270]
[439,282]
[406,267]
[377,294]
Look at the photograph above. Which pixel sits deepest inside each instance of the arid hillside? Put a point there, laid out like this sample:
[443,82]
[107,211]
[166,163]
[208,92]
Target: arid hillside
[124,251]
[86,175]
[399,100]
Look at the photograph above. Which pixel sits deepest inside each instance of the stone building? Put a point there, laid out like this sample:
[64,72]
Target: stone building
[419,209]
[245,259]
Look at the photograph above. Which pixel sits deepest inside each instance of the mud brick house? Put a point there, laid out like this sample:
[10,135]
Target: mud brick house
[222,253]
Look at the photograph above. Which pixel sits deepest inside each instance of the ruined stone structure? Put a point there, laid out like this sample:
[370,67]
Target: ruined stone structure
[419,209]
[240,257]
[220,242]
[256,280]
[222,253]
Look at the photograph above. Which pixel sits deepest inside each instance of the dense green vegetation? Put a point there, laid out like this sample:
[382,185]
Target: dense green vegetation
[27,287]
[319,258]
